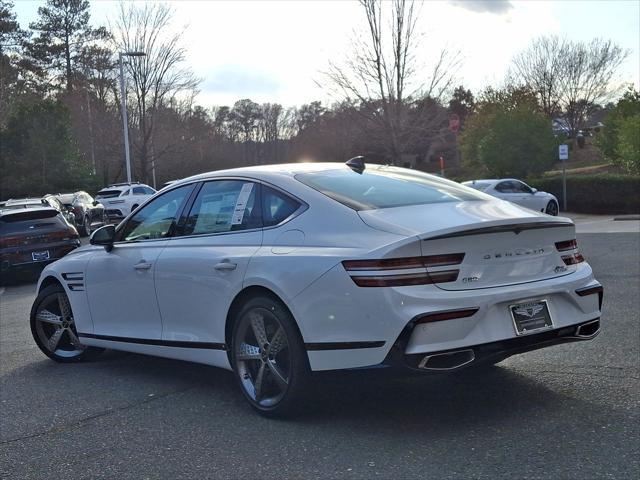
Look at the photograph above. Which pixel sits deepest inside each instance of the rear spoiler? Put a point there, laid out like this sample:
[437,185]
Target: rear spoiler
[515,228]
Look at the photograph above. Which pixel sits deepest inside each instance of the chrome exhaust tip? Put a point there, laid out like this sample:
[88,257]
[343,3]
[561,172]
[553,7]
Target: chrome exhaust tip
[588,330]
[441,362]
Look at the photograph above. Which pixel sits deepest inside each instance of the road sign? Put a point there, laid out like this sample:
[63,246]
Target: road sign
[563,152]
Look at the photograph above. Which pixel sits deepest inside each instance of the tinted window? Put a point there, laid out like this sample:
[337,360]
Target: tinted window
[224,206]
[385,187]
[139,191]
[108,193]
[520,187]
[156,219]
[148,191]
[276,206]
[504,187]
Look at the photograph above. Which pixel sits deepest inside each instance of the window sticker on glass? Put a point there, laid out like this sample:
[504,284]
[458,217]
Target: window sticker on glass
[241,204]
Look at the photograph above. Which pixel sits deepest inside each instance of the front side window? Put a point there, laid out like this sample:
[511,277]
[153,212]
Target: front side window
[224,206]
[139,191]
[276,206]
[521,187]
[157,219]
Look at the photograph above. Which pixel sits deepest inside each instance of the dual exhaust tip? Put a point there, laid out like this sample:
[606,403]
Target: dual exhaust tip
[442,362]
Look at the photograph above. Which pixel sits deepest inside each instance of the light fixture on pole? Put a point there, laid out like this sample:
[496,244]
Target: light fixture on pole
[123,101]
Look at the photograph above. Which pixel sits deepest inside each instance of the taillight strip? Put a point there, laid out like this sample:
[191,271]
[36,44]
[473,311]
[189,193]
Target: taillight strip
[567,245]
[404,263]
[405,279]
[573,259]
[446,315]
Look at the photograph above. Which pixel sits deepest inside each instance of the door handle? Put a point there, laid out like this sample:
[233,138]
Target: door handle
[225,266]
[142,265]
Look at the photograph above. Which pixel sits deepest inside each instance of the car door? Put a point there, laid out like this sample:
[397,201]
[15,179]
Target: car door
[120,283]
[203,267]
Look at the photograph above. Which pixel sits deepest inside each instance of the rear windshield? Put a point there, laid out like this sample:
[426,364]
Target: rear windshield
[28,215]
[67,198]
[108,193]
[482,186]
[386,187]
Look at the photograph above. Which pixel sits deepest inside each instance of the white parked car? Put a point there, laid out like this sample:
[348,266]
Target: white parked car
[518,192]
[277,271]
[120,199]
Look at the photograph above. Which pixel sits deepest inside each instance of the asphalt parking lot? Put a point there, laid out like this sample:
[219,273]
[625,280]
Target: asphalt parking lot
[570,411]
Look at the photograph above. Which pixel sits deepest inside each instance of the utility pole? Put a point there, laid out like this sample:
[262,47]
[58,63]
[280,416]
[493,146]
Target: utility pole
[123,101]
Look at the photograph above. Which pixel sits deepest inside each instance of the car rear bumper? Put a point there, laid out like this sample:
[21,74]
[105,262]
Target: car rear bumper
[23,258]
[366,323]
[488,353]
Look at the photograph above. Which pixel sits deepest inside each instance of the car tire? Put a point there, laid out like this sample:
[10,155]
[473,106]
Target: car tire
[552,208]
[85,230]
[53,327]
[268,357]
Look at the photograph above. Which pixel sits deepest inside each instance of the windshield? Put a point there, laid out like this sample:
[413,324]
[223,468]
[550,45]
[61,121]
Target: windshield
[386,187]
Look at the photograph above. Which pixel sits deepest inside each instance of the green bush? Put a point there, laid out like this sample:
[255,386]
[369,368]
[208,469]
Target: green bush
[628,148]
[608,193]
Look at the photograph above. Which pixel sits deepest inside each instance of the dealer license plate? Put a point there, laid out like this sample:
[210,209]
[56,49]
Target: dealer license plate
[40,256]
[529,317]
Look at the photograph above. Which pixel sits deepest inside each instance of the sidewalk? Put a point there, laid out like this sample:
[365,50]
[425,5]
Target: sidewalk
[586,223]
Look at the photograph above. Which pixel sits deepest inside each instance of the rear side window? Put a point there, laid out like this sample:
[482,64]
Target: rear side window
[276,206]
[505,187]
[387,187]
[224,206]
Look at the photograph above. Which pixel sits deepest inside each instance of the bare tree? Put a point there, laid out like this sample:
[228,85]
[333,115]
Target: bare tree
[384,75]
[159,78]
[569,77]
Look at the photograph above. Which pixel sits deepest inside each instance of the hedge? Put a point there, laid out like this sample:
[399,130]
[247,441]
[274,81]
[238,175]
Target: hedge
[605,193]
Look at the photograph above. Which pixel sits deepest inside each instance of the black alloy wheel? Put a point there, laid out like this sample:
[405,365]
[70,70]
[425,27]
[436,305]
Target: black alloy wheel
[552,208]
[53,327]
[268,357]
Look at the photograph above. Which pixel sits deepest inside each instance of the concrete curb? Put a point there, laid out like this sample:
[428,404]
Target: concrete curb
[622,218]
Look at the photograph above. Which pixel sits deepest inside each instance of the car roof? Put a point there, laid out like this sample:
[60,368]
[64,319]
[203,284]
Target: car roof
[12,211]
[124,186]
[18,201]
[265,172]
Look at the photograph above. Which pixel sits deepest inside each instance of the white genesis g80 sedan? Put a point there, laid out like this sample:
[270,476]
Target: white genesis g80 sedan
[278,271]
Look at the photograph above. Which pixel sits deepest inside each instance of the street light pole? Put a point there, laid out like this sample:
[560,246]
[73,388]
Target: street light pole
[123,101]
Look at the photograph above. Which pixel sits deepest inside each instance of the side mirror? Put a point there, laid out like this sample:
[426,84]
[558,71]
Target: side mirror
[534,190]
[95,203]
[104,236]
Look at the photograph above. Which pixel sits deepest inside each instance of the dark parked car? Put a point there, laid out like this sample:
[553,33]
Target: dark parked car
[31,237]
[89,213]
[46,201]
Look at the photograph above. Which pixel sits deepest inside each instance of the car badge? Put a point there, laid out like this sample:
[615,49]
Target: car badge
[529,310]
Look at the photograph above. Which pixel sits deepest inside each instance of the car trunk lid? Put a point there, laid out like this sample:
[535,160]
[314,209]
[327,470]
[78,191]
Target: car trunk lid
[503,244]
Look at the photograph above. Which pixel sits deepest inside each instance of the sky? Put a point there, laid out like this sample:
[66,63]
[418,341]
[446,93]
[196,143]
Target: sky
[276,51]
